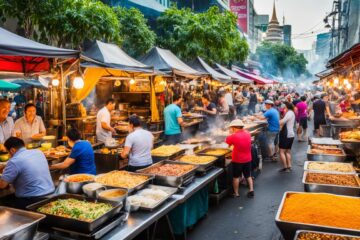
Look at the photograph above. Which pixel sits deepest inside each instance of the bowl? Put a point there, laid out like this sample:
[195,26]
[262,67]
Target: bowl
[93,189]
[4,157]
[116,195]
[76,186]
[46,146]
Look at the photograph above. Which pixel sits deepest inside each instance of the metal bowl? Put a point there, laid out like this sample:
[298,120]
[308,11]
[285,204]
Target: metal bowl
[122,194]
[93,189]
[76,187]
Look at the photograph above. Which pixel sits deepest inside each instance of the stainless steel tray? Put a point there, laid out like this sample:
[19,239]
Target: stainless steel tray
[170,190]
[160,158]
[18,224]
[325,157]
[325,141]
[297,235]
[330,188]
[306,165]
[73,224]
[172,181]
[130,190]
[201,167]
[341,122]
[288,229]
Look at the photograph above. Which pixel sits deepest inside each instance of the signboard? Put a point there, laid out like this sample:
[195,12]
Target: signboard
[240,9]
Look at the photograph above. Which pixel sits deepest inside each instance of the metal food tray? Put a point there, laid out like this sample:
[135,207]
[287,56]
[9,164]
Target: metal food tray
[160,158]
[324,171]
[331,188]
[172,181]
[325,157]
[288,229]
[221,158]
[74,224]
[344,122]
[170,190]
[201,167]
[325,141]
[130,190]
[18,224]
[297,235]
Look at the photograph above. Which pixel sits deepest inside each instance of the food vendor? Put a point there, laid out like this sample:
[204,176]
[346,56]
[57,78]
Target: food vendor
[81,158]
[241,156]
[209,109]
[345,104]
[103,119]
[30,126]
[138,145]
[173,121]
[6,123]
[28,172]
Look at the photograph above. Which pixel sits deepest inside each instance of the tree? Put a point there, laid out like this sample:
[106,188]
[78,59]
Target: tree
[138,38]
[212,35]
[280,60]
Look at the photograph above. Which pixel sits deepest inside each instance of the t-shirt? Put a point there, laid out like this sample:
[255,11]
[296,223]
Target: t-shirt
[211,107]
[241,140]
[273,118]
[83,154]
[302,109]
[6,129]
[171,114]
[27,129]
[296,101]
[28,171]
[141,142]
[319,107]
[103,116]
[289,120]
[229,99]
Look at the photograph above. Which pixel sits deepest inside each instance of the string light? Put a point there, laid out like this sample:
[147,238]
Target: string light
[346,82]
[336,81]
[55,82]
[132,81]
[117,83]
[78,82]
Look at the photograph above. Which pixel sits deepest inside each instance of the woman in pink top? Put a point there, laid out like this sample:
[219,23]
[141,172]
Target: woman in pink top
[302,116]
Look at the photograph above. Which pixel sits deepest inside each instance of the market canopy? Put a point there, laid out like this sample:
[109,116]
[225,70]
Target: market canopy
[256,78]
[107,55]
[19,54]
[200,65]
[165,61]
[8,86]
[28,83]
[348,58]
[233,75]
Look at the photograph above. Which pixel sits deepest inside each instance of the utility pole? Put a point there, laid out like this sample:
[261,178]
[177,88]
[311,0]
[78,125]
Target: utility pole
[339,26]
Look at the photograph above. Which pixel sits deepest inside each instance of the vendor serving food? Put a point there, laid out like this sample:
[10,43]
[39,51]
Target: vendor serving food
[138,145]
[28,172]
[173,121]
[103,119]
[29,127]
[6,123]
[81,158]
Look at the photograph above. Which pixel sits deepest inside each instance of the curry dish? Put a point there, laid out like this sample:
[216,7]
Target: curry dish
[330,166]
[122,179]
[79,178]
[176,170]
[327,151]
[75,209]
[217,152]
[323,236]
[194,159]
[332,179]
[165,150]
[324,146]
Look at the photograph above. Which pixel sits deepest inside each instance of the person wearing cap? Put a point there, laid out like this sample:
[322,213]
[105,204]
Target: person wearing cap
[321,109]
[273,118]
[241,155]
[138,145]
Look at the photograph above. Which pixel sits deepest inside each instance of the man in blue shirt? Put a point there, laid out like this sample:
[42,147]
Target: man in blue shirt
[81,159]
[273,118]
[28,172]
[173,121]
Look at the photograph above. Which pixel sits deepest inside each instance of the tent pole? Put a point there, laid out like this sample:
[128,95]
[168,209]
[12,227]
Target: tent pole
[62,96]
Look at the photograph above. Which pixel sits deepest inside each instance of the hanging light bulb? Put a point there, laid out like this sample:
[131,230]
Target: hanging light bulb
[117,83]
[346,82]
[55,82]
[132,81]
[328,84]
[348,86]
[336,81]
[78,82]
[162,82]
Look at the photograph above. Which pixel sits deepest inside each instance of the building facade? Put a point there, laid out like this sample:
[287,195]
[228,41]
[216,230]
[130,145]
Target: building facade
[202,5]
[322,48]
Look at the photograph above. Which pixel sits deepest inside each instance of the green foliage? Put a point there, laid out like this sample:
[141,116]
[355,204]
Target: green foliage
[138,38]
[212,35]
[280,60]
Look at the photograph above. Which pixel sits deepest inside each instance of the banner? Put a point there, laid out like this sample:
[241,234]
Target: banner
[240,9]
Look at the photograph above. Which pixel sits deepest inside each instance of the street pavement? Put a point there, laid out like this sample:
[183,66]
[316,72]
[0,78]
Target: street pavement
[243,218]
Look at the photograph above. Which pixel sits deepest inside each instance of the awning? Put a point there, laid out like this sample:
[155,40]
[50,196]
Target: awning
[107,55]
[28,83]
[234,76]
[19,54]
[325,73]
[256,78]
[8,86]
[347,58]
[164,60]
[200,65]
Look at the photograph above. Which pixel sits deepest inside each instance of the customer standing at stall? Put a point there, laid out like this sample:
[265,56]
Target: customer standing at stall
[321,109]
[138,145]
[103,119]
[302,116]
[6,123]
[81,158]
[28,172]
[30,126]
[286,137]
[173,121]
[241,156]
[252,101]
[209,109]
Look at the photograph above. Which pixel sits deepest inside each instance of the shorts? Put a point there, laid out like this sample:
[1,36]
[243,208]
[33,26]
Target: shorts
[271,137]
[318,122]
[303,123]
[241,168]
[286,143]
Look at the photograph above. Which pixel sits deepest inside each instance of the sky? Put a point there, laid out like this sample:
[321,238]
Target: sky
[305,16]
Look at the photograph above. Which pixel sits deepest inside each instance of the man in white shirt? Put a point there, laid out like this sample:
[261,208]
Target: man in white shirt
[6,122]
[103,119]
[229,100]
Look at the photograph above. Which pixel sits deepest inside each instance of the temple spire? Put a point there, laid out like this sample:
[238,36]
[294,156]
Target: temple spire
[274,17]
[274,31]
